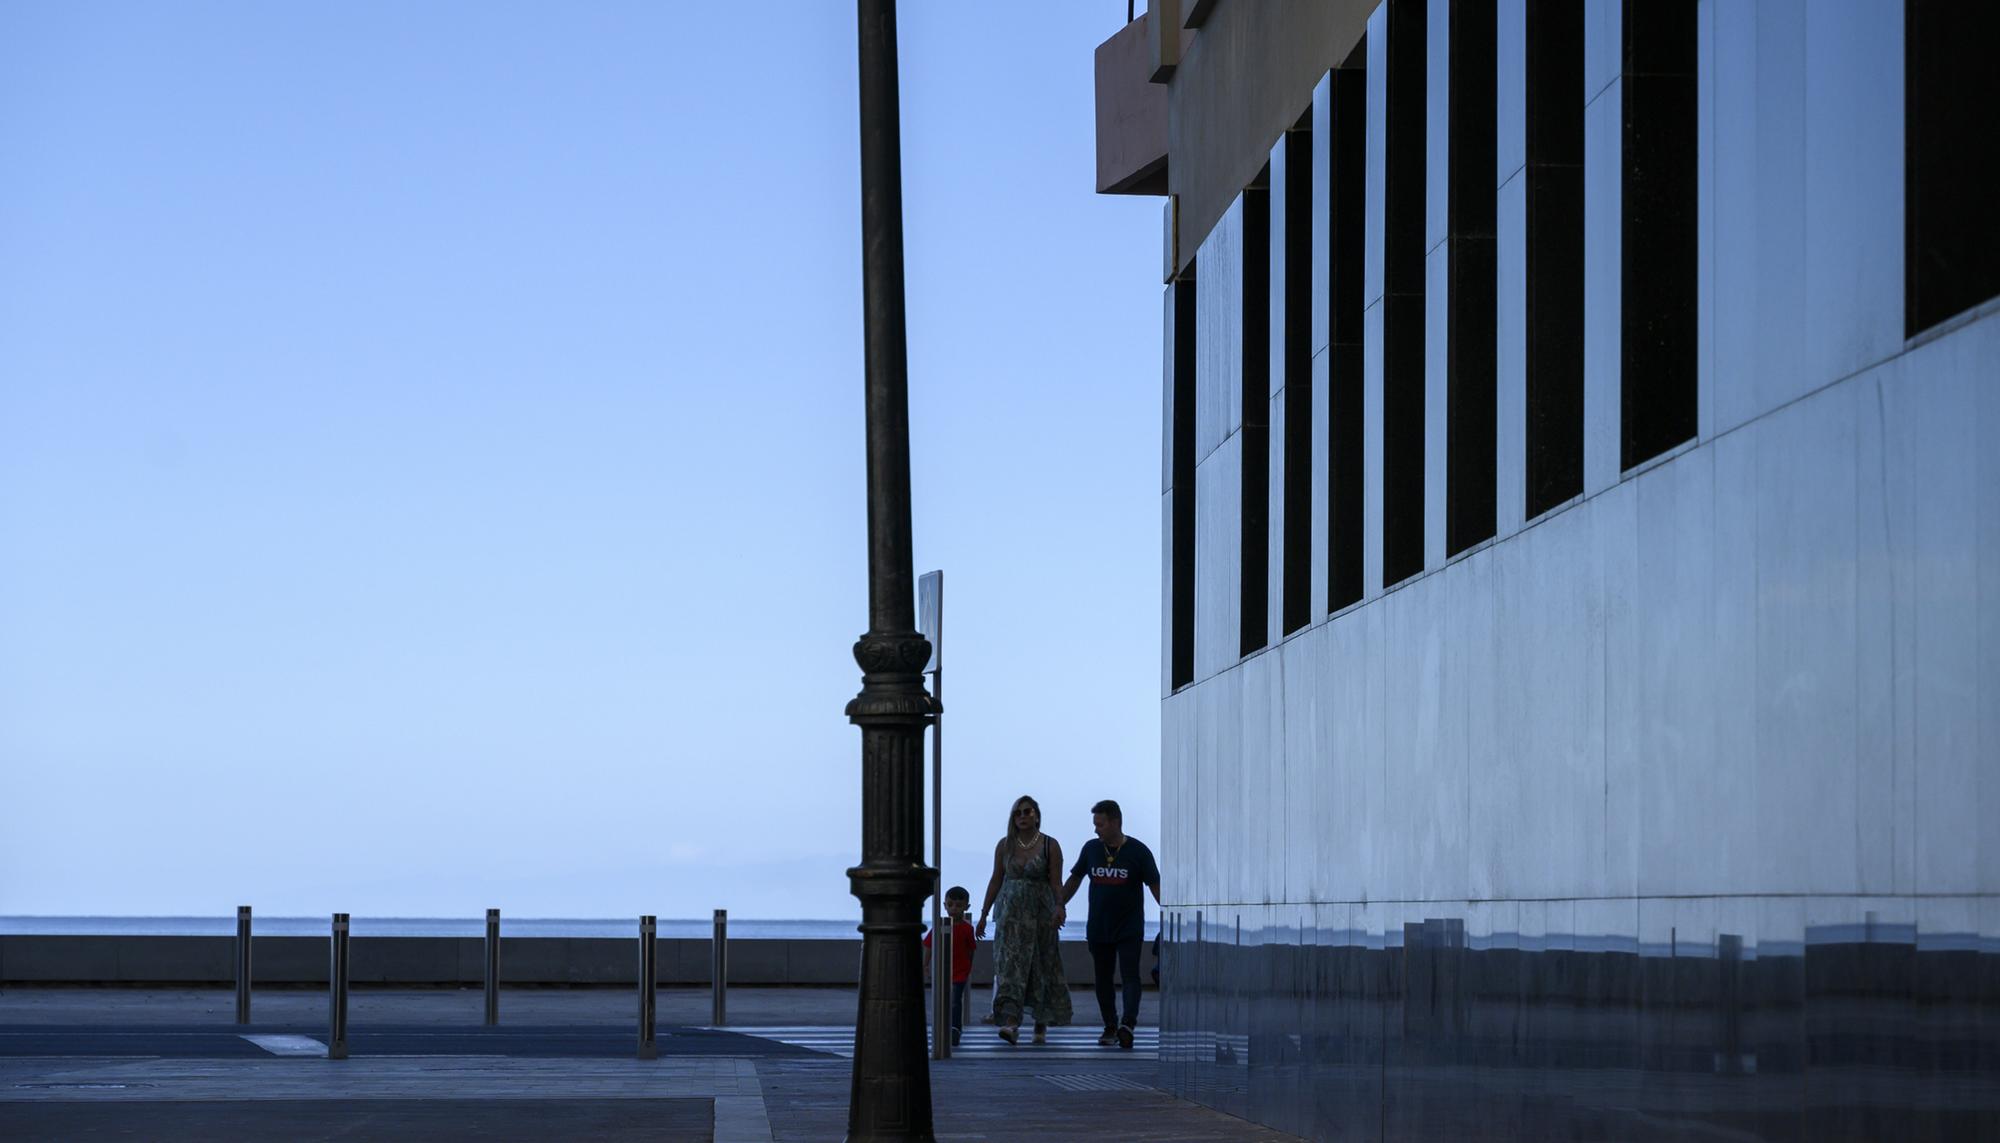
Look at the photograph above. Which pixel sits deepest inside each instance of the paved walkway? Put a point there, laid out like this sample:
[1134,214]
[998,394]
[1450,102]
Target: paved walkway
[106,1063]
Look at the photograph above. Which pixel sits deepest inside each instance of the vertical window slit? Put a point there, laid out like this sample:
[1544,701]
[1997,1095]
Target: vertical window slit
[1297,342]
[1182,666]
[1472,299]
[1951,167]
[1657,384]
[1403,294]
[1347,236]
[1255,582]
[1554,270]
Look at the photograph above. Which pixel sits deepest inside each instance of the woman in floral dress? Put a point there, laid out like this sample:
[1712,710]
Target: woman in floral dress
[1027,887]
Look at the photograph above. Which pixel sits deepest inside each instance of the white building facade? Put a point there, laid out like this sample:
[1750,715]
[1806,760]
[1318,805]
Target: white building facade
[1581,597]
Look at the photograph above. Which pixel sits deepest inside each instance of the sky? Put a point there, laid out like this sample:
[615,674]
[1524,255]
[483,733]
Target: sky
[431,468]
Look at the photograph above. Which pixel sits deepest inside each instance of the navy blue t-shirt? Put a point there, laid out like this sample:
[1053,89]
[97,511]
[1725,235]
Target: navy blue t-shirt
[1117,889]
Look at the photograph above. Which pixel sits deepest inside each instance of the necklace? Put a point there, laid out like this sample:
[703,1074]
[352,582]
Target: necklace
[1111,854]
[1029,841]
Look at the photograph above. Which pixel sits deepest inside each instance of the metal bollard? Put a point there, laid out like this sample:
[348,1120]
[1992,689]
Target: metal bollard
[492,967]
[242,964]
[718,968]
[649,976]
[336,1037]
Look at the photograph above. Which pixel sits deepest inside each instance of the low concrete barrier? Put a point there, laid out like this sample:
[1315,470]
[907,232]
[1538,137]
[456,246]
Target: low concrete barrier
[528,961]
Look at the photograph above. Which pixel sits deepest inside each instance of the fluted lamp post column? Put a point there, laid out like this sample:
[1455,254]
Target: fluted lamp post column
[891,1093]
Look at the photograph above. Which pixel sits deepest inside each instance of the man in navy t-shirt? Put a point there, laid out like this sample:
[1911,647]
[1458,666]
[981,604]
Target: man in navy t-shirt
[1118,867]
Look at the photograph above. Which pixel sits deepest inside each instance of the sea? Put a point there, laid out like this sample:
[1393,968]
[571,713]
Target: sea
[695,928]
[225,926]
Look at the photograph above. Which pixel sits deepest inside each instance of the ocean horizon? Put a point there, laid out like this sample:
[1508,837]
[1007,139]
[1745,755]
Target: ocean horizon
[740,928]
[690,928]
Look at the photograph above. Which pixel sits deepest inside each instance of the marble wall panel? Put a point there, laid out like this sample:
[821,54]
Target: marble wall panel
[1177,833]
[1322,487]
[1437,406]
[1806,672]
[1706,311]
[1437,123]
[1348,784]
[1274,522]
[1981,343]
[1931,451]
[1759,231]
[1536,818]
[1603,49]
[1167,594]
[1473,689]
[1727,142]
[1511,94]
[1300,759]
[1222,791]
[1853,187]
[1371,450]
[1626,700]
[1214,731]
[1421,853]
[1510,484]
[1260,780]
[1732,694]
[1322,215]
[1602,270]
[1885,826]
[1685,799]
[1218,564]
[1219,332]
[1167,342]
[1378,111]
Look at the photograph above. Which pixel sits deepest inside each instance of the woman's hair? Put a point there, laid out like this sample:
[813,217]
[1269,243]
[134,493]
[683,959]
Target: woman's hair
[1024,800]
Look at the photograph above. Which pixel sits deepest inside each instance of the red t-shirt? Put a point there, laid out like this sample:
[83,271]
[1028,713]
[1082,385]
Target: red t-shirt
[961,951]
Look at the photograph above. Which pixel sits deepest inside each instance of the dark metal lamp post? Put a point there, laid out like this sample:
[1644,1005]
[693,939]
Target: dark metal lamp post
[891,1093]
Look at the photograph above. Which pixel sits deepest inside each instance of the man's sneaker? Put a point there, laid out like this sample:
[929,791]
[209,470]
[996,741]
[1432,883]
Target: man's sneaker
[1125,1036]
[1041,1034]
[1010,1033]
[1109,1037]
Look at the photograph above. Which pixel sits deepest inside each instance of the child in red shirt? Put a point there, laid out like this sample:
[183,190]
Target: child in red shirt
[957,903]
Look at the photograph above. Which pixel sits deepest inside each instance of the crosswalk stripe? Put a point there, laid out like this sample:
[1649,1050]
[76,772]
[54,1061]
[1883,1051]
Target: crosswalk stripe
[288,1045]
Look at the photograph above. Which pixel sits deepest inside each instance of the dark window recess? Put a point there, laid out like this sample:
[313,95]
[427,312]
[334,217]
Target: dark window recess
[1471,300]
[1554,302]
[1255,565]
[1297,342]
[1182,666]
[1347,201]
[1403,295]
[1657,398]
[1951,159]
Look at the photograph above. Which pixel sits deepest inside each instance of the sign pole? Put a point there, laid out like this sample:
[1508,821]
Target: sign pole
[930,621]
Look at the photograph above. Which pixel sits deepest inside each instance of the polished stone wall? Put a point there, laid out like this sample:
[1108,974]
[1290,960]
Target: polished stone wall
[1668,812]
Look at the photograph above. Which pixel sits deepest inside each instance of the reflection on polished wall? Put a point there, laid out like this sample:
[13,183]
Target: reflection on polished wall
[1668,812]
[1745,1020]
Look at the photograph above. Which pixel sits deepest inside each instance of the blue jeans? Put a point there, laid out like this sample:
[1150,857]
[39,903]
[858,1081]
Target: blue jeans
[958,988]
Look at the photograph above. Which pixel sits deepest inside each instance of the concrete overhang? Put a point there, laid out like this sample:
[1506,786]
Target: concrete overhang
[1131,73]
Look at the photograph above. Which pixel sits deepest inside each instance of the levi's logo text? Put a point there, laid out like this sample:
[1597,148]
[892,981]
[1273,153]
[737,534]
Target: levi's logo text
[1108,875]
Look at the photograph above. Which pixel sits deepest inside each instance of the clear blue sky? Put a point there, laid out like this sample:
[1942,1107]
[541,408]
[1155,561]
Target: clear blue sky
[430,450]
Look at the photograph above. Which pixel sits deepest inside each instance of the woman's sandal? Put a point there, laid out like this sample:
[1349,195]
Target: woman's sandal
[1010,1033]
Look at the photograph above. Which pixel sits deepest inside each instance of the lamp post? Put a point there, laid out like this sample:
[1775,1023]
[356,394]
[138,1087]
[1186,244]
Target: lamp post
[890,1097]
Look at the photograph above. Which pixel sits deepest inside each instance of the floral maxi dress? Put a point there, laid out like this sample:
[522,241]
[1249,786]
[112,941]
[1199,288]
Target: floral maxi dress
[1027,964]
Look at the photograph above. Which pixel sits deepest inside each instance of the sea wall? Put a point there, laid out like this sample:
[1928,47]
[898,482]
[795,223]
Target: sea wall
[427,961]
